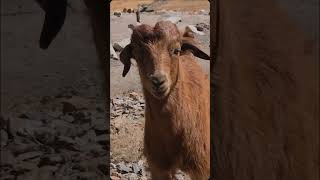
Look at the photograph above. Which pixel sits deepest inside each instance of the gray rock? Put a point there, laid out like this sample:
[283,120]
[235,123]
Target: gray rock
[103,168]
[119,46]
[51,160]
[101,128]
[173,19]
[67,143]
[102,140]
[90,136]
[113,166]
[115,178]
[118,14]
[29,155]
[202,26]
[123,168]
[113,53]
[146,8]
[4,138]
[68,118]
[191,28]
[136,168]
[18,148]
[179,177]
[8,177]
[68,107]
[132,176]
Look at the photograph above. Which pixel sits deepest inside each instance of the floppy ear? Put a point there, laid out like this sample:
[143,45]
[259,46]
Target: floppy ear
[188,44]
[54,19]
[125,56]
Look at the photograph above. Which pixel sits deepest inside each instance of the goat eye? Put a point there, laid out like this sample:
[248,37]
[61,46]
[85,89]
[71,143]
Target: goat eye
[175,51]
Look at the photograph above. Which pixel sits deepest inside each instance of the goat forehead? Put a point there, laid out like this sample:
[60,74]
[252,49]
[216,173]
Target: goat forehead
[168,29]
[165,30]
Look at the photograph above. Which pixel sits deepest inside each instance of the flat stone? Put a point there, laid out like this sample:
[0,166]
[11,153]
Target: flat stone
[118,14]
[113,53]
[4,138]
[29,155]
[191,28]
[114,178]
[174,19]
[51,160]
[123,168]
[136,168]
[119,46]
[102,139]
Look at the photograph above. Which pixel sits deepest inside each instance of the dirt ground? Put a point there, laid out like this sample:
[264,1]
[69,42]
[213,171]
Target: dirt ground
[179,5]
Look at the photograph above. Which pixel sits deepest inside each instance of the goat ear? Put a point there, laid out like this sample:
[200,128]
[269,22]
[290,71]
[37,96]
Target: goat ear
[125,57]
[54,19]
[188,44]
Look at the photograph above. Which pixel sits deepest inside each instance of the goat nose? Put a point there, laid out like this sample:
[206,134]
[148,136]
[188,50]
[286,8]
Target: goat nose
[158,80]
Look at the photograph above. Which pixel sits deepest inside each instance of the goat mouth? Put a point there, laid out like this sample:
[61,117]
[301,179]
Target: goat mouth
[160,93]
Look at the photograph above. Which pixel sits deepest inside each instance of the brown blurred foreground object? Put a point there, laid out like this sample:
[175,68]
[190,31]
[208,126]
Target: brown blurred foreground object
[266,86]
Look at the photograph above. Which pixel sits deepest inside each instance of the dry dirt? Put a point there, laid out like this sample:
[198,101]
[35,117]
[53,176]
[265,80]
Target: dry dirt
[179,5]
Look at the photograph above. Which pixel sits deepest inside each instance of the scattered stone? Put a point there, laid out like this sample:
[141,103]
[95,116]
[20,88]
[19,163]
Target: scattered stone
[4,138]
[29,155]
[191,28]
[64,142]
[129,11]
[203,27]
[51,160]
[123,168]
[90,136]
[118,14]
[174,19]
[113,166]
[114,178]
[103,168]
[124,10]
[68,108]
[146,8]
[102,139]
[131,106]
[45,99]
[8,177]
[81,118]
[68,118]
[119,46]
[113,53]
[24,116]
[136,168]
[101,128]
[203,12]
[179,177]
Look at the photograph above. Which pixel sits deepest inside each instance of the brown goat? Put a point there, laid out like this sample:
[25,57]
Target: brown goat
[176,91]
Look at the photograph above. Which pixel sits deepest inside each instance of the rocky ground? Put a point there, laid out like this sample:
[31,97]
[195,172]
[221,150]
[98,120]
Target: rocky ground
[58,137]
